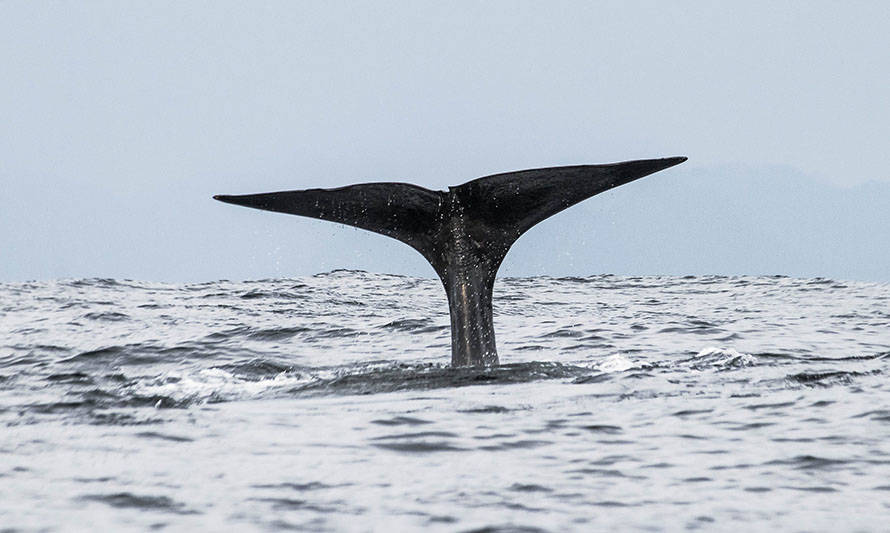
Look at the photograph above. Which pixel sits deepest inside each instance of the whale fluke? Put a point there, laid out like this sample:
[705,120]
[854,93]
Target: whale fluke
[399,210]
[464,232]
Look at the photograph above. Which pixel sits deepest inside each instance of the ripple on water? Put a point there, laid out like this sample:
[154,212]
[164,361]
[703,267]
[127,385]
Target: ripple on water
[108,316]
[625,403]
[128,500]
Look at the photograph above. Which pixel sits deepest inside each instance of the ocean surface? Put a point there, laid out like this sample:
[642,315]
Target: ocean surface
[326,403]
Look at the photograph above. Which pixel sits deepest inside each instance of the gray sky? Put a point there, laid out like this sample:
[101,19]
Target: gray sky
[118,120]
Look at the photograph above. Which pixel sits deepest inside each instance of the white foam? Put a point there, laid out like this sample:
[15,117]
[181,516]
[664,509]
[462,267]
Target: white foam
[213,383]
[725,356]
[616,363]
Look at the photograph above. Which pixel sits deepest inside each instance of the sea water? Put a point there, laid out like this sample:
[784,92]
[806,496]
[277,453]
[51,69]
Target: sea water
[327,403]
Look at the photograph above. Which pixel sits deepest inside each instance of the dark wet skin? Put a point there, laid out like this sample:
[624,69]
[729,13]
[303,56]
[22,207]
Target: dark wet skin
[464,232]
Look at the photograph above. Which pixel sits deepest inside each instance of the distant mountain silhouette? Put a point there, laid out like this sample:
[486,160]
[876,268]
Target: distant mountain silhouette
[733,220]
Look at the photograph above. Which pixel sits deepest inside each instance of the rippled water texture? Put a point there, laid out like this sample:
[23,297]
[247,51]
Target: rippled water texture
[325,403]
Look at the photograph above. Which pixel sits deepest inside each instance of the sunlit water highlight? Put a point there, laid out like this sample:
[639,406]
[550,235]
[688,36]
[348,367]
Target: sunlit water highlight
[325,403]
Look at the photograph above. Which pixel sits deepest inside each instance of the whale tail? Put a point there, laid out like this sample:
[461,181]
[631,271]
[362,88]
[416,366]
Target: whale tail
[464,232]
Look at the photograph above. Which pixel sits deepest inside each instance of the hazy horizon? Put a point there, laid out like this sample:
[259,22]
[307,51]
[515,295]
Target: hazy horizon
[684,221]
[121,120]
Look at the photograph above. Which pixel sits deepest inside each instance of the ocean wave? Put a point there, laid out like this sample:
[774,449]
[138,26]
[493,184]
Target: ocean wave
[714,357]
